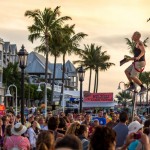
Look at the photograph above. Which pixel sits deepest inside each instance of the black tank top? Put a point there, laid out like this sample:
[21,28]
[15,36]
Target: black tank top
[137,52]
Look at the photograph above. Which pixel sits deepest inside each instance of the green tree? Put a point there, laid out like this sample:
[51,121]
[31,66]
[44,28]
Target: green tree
[11,74]
[93,58]
[70,44]
[102,64]
[123,98]
[131,44]
[145,78]
[44,23]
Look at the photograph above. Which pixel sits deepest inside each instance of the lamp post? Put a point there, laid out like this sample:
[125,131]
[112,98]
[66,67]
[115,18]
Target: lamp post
[45,95]
[119,86]
[22,56]
[81,73]
[8,94]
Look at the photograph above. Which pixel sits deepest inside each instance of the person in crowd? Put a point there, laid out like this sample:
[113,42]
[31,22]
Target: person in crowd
[33,134]
[26,111]
[61,114]
[53,124]
[42,123]
[87,120]
[144,117]
[72,128]
[103,138]
[49,115]
[16,140]
[92,128]
[105,115]
[121,129]
[33,109]
[62,127]
[82,133]
[78,118]
[137,129]
[7,133]
[73,144]
[147,123]
[102,120]
[1,133]
[113,122]
[30,119]
[70,117]
[45,141]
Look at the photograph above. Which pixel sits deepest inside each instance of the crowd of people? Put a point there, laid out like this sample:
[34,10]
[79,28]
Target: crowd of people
[75,131]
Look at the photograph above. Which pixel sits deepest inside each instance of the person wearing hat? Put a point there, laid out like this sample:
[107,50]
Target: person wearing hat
[16,140]
[136,132]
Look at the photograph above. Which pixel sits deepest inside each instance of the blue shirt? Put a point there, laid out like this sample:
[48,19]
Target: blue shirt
[102,121]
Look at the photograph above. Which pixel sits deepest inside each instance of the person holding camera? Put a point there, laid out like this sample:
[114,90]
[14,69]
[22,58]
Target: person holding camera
[136,139]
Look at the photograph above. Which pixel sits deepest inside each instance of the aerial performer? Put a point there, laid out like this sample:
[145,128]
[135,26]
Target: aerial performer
[138,65]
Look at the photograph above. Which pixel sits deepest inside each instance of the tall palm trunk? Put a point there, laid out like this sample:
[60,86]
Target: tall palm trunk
[63,79]
[90,79]
[54,72]
[46,62]
[147,95]
[97,81]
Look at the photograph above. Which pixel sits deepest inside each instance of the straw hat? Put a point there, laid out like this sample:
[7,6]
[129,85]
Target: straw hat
[18,129]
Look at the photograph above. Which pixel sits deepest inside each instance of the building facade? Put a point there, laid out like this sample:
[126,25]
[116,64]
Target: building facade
[1,71]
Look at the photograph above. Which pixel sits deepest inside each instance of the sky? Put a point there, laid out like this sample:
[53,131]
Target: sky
[107,23]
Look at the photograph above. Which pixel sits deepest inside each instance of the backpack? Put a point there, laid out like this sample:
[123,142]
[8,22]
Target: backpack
[16,146]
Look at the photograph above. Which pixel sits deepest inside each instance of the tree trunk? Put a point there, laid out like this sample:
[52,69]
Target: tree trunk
[147,95]
[63,79]
[97,82]
[46,62]
[90,79]
[54,72]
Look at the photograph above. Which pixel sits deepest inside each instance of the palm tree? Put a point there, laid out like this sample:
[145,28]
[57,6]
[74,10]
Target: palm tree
[145,78]
[88,59]
[123,98]
[131,44]
[102,64]
[70,44]
[44,23]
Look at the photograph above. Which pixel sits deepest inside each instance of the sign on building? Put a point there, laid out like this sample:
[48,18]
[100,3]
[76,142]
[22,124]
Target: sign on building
[99,97]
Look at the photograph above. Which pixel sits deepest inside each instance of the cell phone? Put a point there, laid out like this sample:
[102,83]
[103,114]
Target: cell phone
[137,136]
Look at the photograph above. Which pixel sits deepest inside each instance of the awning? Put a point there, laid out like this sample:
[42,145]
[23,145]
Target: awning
[98,104]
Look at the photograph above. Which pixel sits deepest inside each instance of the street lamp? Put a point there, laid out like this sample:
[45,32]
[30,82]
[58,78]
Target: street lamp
[8,94]
[119,86]
[45,95]
[81,73]
[22,56]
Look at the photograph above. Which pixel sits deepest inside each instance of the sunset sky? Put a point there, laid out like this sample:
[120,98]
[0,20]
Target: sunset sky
[107,23]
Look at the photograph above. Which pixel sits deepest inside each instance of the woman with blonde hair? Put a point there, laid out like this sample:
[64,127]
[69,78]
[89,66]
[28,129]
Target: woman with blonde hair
[72,128]
[45,141]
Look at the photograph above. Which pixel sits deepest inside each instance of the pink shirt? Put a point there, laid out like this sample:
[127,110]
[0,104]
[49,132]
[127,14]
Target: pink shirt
[22,142]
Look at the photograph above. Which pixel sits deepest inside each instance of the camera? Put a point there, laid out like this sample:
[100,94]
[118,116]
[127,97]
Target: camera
[137,135]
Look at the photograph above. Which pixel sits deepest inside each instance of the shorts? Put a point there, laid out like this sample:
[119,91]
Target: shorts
[138,65]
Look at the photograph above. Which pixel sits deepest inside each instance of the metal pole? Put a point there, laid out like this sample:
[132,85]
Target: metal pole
[45,100]
[80,96]
[22,96]
[134,104]
[63,98]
